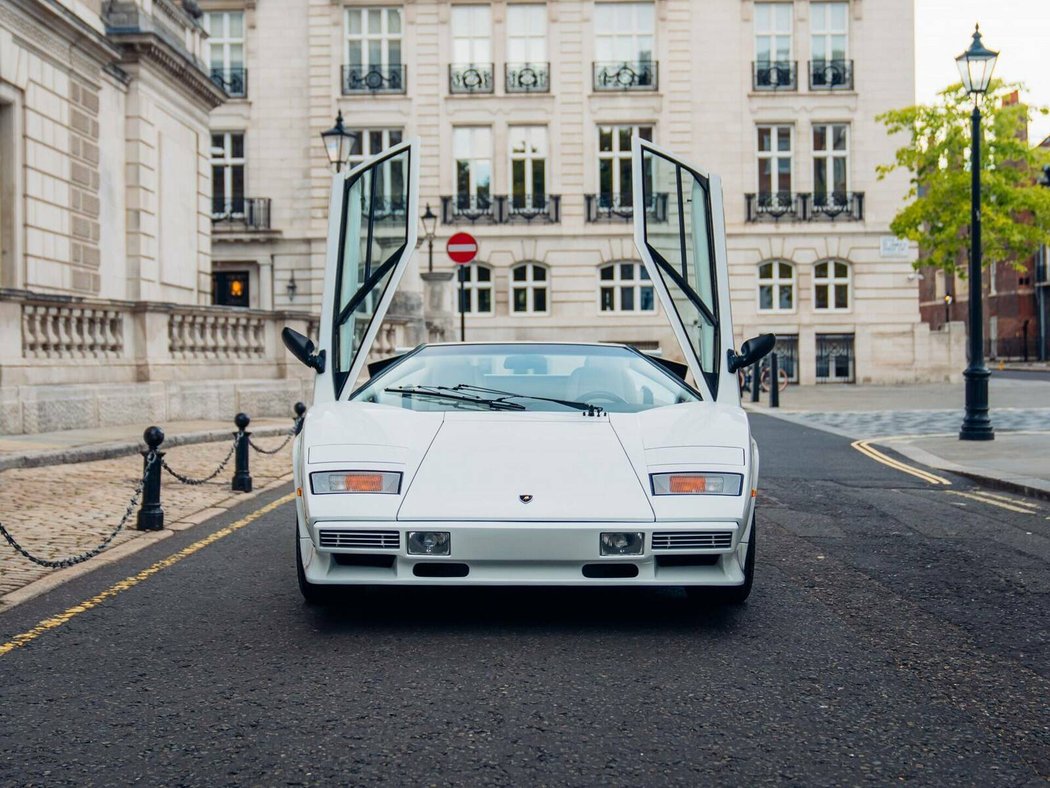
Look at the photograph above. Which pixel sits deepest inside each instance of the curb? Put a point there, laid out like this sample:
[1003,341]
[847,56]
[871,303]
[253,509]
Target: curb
[1006,485]
[107,451]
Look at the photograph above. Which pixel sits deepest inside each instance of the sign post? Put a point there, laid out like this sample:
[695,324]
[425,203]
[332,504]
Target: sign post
[462,248]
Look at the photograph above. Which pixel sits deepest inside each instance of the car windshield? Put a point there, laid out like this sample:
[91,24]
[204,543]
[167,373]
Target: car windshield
[526,377]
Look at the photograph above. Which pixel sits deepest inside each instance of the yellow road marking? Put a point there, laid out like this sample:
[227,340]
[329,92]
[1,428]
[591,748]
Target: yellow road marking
[129,582]
[864,447]
[1014,501]
[990,501]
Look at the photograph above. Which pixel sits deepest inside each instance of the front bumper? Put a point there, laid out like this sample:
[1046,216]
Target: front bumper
[561,554]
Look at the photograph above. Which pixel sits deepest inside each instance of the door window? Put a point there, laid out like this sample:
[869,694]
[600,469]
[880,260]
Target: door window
[227,175]
[527,34]
[472,150]
[372,242]
[623,32]
[471,34]
[528,166]
[373,38]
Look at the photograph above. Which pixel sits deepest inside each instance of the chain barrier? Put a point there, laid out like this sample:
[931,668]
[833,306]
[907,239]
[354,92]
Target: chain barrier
[195,482]
[291,434]
[61,563]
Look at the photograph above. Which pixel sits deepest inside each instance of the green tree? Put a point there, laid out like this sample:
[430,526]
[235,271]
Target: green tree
[1015,209]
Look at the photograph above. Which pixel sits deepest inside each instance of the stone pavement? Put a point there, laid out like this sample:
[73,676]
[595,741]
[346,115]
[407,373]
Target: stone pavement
[64,508]
[922,422]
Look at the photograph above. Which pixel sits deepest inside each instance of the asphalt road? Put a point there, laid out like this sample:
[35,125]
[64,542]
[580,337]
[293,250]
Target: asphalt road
[897,631]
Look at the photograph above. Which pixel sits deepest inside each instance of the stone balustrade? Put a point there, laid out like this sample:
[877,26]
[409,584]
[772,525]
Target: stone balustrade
[68,332]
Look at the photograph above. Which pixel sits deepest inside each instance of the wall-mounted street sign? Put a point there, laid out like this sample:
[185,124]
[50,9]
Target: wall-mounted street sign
[893,248]
[462,248]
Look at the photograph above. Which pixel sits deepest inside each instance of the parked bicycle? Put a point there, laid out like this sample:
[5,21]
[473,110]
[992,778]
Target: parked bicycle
[745,376]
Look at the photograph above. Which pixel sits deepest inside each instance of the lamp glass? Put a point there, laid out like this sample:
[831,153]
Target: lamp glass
[976,65]
[429,219]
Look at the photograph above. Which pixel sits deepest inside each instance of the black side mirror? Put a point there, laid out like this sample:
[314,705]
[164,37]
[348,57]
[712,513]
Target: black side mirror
[303,349]
[751,351]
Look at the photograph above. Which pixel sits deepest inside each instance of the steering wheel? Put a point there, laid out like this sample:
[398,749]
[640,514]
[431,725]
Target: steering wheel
[602,394]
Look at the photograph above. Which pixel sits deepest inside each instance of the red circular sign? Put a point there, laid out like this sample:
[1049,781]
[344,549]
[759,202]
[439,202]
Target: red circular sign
[462,248]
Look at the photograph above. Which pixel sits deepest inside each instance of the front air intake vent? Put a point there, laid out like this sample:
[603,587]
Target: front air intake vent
[692,540]
[369,540]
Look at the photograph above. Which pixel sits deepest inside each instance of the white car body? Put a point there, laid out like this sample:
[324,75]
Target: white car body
[525,495]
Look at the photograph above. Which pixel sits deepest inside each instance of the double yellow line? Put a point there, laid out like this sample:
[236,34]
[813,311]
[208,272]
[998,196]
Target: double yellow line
[130,582]
[865,448]
[1010,504]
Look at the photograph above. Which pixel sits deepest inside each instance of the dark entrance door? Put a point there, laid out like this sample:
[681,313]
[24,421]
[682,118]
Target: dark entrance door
[230,288]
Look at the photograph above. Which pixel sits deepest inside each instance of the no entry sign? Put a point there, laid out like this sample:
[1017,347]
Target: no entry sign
[462,248]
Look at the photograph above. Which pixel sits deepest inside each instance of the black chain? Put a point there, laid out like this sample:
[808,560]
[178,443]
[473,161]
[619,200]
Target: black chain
[82,557]
[284,443]
[208,478]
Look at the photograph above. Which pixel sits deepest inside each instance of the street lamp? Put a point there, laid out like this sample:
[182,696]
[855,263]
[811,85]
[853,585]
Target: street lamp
[337,143]
[975,67]
[947,308]
[429,219]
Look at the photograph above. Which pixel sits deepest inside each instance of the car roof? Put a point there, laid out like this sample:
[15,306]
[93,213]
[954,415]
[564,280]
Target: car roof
[524,343]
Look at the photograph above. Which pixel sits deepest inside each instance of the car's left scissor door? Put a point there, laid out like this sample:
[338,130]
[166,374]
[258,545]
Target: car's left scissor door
[373,217]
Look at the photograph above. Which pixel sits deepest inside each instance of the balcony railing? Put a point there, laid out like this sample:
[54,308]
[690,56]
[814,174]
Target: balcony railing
[528,77]
[245,214]
[835,206]
[805,207]
[233,80]
[831,75]
[782,75]
[374,79]
[470,78]
[620,207]
[626,75]
[501,209]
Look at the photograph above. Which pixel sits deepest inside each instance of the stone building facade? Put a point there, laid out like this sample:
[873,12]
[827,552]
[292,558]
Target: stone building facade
[525,110]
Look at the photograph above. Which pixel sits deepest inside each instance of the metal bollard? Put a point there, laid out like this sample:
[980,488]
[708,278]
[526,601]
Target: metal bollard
[774,382]
[300,414]
[242,478]
[151,515]
[756,382]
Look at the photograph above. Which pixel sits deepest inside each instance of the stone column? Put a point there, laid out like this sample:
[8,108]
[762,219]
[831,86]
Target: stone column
[437,305]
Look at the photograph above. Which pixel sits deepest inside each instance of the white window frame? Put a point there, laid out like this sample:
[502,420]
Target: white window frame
[223,38]
[471,35]
[830,281]
[829,154]
[364,38]
[776,283]
[821,27]
[626,40]
[472,159]
[775,155]
[639,282]
[368,149]
[616,154]
[525,34]
[228,161]
[533,137]
[530,285]
[472,285]
[774,32]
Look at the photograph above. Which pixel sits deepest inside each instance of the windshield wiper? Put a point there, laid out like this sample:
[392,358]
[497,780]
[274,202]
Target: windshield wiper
[586,407]
[450,394]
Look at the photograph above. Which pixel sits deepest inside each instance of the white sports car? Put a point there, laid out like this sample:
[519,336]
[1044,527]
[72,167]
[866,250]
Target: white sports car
[564,464]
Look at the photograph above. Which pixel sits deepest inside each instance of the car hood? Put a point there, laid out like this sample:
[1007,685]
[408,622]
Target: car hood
[524,467]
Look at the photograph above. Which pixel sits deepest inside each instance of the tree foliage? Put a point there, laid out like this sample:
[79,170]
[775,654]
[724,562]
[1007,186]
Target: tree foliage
[1015,209]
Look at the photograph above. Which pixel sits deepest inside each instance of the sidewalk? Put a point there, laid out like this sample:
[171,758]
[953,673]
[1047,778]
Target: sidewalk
[921,422]
[62,493]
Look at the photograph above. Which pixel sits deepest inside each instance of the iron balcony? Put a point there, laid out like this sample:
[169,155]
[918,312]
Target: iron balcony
[527,77]
[805,206]
[773,76]
[374,79]
[831,75]
[470,78]
[625,75]
[233,80]
[501,209]
[241,214]
[613,207]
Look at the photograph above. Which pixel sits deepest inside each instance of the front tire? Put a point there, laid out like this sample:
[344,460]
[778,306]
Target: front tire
[729,595]
[313,594]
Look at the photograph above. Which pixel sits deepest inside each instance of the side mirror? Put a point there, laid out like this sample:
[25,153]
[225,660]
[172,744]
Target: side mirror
[303,349]
[751,351]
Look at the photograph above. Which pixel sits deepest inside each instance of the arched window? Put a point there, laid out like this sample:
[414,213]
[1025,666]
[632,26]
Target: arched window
[625,287]
[477,289]
[776,287]
[831,284]
[528,289]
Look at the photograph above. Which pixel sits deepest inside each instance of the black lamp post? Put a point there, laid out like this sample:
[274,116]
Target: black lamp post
[429,219]
[337,143]
[975,68]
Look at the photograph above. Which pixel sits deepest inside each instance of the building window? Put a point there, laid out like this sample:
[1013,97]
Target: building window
[527,34]
[776,287]
[625,287]
[472,151]
[773,64]
[830,66]
[225,51]
[471,68]
[786,349]
[227,174]
[774,165]
[528,167]
[615,188]
[476,297]
[528,289]
[830,165]
[230,288]
[834,362]
[831,283]
[365,143]
[623,46]
[373,38]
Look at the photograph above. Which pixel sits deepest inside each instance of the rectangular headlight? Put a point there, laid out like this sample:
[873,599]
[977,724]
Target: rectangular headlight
[621,543]
[388,482]
[696,483]
[429,543]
